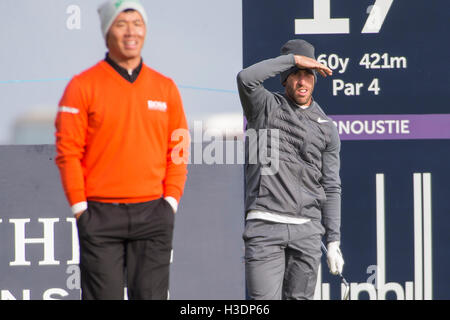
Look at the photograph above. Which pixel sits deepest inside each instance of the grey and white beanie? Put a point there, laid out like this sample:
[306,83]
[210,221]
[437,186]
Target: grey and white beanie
[109,11]
[297,47]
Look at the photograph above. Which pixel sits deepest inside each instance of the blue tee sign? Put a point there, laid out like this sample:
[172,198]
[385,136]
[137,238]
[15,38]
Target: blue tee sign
[388,96]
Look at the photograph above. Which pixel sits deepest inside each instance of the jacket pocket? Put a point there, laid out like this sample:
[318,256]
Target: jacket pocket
[280,192]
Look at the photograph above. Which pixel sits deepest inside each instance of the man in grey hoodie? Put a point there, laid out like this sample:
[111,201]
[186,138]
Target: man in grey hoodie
[289,210]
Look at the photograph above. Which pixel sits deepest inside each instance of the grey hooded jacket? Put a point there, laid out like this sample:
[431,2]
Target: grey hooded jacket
[300,175]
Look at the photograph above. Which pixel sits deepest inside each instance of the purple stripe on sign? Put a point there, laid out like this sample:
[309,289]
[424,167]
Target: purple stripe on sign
[393,126]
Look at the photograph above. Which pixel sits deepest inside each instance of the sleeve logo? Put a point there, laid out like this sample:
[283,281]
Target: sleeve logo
[68,109]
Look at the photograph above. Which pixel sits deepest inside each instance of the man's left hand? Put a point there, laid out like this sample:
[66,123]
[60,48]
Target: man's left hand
[335,259]
[173,203]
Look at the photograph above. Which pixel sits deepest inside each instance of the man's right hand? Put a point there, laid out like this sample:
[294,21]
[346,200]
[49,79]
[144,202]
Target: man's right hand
[303,62]
[78,214]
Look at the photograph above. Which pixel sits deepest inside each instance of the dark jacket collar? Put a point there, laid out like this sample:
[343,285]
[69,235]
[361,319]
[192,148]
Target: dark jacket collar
[124,72]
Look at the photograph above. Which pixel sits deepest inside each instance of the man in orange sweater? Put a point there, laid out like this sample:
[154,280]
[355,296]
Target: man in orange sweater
[122,140]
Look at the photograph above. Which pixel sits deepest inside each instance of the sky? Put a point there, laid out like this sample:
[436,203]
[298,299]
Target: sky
[197,43]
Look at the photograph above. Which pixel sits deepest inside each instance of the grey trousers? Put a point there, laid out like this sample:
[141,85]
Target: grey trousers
[281,260]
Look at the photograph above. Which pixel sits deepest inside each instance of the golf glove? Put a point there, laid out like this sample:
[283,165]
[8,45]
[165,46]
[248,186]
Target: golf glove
[335,259]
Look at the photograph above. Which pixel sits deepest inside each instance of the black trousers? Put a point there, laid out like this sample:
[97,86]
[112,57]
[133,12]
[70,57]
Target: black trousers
[126,244]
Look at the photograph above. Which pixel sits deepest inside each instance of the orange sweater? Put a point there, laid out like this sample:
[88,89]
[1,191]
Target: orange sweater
[113,137]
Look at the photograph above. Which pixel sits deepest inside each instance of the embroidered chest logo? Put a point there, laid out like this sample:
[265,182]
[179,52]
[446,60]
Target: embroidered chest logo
[320,120]
[157,105]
